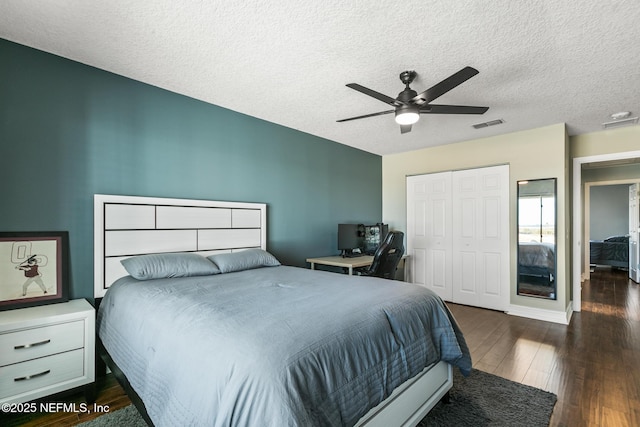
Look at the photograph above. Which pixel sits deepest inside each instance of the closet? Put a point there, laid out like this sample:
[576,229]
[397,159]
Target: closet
[634,227]
[458,235]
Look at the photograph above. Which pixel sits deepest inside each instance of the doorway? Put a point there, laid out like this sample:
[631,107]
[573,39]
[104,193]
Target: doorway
[580,247]
[606,217]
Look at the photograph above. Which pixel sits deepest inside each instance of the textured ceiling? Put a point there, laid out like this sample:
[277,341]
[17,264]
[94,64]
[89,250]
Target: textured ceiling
[541,62]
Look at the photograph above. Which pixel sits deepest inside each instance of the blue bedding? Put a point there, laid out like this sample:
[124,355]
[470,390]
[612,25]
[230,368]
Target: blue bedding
[279,346]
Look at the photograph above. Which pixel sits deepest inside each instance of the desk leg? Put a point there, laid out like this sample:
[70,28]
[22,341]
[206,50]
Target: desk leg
[313,265]
[350,270]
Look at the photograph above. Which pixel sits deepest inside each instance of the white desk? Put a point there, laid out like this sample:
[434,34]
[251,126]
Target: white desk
[338,261]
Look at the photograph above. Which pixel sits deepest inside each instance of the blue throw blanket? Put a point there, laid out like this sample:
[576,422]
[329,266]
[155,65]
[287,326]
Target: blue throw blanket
[280,346]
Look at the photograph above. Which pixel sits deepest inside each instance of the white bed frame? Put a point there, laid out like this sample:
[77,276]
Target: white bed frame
[126,226]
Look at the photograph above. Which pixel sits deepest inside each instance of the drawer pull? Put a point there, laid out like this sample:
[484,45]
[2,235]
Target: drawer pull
[28,377]
[19,347]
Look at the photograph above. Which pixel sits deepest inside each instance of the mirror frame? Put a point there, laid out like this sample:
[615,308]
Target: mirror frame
[538,271]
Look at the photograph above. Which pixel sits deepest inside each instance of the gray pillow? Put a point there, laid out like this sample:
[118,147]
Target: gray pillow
[160,266]
[243,260]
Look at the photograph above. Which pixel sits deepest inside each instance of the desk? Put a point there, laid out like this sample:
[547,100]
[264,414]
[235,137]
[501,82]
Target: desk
[338,261]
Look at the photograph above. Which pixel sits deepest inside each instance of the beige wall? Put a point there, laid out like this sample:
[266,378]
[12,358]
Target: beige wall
[532,154]
[612,174]
[606,142]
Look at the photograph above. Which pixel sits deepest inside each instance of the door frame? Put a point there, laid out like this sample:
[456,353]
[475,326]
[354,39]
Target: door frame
[580,252]
[587,213]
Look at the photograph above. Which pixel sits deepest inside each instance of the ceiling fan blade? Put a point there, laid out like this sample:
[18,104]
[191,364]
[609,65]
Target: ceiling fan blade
[366,115]
[451,109]
[445,85]
[405,128]
[377,95]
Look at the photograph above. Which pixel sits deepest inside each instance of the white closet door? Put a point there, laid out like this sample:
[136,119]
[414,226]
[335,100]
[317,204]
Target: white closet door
[634,223]
[480,207]
[429,232]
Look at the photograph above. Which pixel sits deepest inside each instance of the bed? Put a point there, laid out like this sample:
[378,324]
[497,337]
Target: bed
[258,343]
[537,261]
[613,251]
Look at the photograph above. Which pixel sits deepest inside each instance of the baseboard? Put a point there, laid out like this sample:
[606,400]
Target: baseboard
[563,317]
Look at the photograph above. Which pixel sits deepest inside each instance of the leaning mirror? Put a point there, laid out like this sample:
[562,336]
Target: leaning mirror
[537,238]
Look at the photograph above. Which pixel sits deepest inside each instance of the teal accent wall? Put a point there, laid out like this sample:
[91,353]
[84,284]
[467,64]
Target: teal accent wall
[69,131]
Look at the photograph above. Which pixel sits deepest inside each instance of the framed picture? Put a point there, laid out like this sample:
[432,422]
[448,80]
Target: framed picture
[33,268]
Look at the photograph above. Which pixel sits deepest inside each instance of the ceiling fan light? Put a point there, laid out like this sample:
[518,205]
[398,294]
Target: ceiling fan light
[407,115]
[407,118]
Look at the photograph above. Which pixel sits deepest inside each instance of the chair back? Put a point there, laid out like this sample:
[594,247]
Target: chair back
[387,256]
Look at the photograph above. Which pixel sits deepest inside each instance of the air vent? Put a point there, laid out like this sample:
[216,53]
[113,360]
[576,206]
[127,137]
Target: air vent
[487,124]
[620,123]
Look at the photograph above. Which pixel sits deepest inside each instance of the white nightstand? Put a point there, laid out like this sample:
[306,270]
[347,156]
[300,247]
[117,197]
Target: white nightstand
[46,350]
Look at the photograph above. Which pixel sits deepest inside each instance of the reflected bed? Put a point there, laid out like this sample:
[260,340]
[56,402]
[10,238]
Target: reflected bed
[537,260]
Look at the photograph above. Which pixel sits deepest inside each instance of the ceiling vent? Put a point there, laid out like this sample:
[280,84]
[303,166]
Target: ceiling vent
[487,124]
[619,120]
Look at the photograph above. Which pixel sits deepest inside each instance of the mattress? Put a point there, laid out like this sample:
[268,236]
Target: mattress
[280,346]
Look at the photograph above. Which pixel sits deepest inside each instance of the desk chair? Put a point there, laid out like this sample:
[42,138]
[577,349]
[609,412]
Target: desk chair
[387,256]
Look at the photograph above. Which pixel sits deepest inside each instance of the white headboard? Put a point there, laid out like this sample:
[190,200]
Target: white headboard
[126,226]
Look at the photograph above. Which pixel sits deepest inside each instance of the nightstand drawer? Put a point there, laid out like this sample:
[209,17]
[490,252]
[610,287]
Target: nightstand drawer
[38,342]
[39,373]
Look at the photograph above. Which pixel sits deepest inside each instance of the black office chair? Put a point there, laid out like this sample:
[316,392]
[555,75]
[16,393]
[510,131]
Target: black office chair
[387,256]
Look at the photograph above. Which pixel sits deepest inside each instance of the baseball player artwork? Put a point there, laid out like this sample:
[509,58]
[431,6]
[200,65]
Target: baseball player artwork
[32,269]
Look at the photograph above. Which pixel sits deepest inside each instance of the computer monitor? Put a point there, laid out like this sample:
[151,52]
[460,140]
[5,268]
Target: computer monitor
[350,238]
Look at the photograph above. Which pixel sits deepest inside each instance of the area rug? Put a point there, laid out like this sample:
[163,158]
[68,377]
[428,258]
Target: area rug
[481,399]
[484,399]
[126,417]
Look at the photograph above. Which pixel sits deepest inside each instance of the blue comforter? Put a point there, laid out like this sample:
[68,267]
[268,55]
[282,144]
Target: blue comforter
[275,346]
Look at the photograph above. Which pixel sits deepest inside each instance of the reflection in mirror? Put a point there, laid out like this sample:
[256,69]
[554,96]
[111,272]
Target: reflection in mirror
[537,238]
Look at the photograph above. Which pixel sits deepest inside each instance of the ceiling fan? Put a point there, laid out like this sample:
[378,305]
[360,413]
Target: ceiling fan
[409,104]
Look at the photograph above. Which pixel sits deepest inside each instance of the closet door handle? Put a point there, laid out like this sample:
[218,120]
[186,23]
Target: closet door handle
[19,347]
[28,377]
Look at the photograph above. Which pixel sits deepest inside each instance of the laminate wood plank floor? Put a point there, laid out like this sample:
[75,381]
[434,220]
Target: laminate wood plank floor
[592,365]
[110,397]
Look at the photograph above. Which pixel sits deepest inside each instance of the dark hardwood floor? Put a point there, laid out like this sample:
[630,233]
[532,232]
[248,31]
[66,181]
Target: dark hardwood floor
[110,397]
[593,364]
